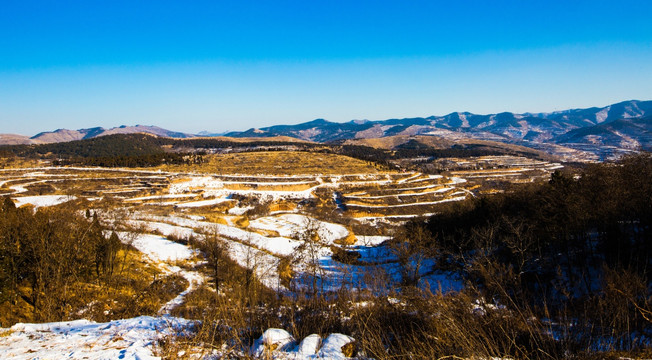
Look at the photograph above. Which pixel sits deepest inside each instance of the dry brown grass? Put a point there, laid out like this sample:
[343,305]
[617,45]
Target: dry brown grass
[214,218]
[282,206]
[358,214]
[180,180]
[390,142]
[139,288]
[242,221]
[18,163]
[350,239]
[255,139]
[438,142]
[279,163]
[136,288]
[269,187]
[264,232]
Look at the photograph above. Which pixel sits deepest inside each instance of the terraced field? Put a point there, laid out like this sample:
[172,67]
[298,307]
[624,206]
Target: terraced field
[410,195]
[268,218]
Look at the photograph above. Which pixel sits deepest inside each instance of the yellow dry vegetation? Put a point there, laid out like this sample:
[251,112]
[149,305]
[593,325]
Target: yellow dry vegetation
[19,163]
[224,206]
[349,239]
[282,206]
[265,232]
[285,271]
[269,187]
[349,349]
[215,218]
[487,171]
[180,180]
[359,214]
[136,288]
[242,222]
[278,163]
[221,208]
[491,191]
[419,191]
[356,193]
[439,142]
[367,202]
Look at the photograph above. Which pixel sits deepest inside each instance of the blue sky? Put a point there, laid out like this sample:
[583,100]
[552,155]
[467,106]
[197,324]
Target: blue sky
[233,65]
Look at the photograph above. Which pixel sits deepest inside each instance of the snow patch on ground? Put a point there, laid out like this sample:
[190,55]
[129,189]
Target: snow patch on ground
[163,228]
[264,265]
[371,240]
[213,186]
[82,339]
[201,203]
[459,198]
[239,210]
[408,179]
[43,200]
[194,279]
[602,115]
[437,191]
[332,346]
[277,339]
[291,225]
[158,248]
[162,196]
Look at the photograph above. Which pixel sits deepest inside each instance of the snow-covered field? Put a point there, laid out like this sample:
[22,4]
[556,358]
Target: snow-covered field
[42,200]
[266,238]
[160,249]
[293,225]
[137,339]
[133,338]
[376,199]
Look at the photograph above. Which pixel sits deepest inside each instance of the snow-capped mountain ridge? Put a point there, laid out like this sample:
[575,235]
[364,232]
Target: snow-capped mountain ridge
[590,127]
[535,127]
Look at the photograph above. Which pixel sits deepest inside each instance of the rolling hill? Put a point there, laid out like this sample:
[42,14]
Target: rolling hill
[506,126]
[596,131]
[63,135]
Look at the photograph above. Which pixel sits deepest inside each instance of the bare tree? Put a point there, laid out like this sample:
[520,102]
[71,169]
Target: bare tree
[309,255]
[412,246]
[252,260]
[215,250]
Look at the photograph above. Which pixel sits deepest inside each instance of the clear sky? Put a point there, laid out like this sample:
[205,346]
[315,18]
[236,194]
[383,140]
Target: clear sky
[232,65]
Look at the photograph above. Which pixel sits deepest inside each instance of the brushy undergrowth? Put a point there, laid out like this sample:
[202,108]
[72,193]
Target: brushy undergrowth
[61,265]
[558,270]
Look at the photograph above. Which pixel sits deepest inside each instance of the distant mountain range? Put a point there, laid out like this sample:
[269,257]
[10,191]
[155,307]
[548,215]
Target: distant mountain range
[537,127]
[626,126]
[63,135]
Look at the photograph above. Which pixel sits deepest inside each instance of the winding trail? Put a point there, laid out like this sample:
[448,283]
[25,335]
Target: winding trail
[195,280]
[165,253]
